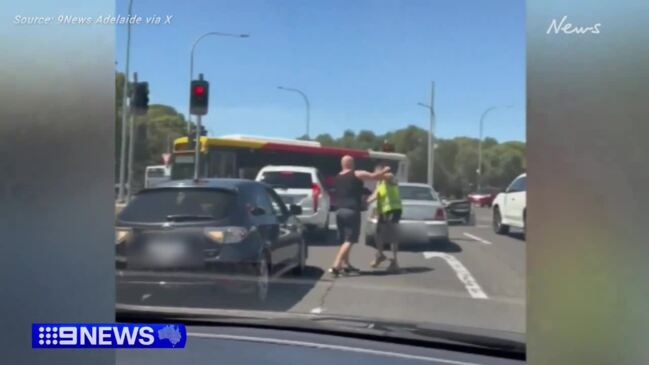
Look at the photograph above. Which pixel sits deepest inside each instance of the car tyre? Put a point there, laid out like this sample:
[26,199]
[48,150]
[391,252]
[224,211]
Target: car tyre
[498,225]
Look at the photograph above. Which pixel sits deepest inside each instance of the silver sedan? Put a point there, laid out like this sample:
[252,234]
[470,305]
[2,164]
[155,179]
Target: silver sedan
[423,218]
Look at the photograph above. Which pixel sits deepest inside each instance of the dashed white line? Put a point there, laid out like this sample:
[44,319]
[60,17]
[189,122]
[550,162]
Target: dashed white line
[470,283]
[476,238]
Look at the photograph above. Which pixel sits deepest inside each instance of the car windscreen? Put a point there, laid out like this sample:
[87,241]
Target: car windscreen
[158,205]
[287,179]
[416,193]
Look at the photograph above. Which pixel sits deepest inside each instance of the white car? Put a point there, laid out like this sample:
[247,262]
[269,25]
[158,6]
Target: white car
[303,186]
[423,216]
[509,207]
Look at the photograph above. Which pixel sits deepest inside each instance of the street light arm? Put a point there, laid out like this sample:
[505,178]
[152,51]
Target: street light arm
[306,101]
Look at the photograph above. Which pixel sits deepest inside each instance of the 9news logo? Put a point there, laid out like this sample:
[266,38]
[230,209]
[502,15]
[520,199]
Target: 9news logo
[108,335]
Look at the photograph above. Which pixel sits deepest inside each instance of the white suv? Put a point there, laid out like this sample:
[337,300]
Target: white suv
[510,208]
[303,186]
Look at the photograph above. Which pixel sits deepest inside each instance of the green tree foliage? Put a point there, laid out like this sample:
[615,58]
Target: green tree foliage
[456,159]
[154,134]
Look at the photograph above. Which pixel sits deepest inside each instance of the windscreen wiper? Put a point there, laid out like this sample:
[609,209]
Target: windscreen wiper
[189,217]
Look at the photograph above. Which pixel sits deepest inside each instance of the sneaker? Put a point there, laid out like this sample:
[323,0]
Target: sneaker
[377,261]
[334,272]
[351,270]
[394,267]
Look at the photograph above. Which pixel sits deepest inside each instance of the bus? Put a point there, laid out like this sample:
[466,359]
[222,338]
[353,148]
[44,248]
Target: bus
[240,156]
[155,175]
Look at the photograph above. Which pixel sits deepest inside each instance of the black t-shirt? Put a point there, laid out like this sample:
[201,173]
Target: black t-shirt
[349,191]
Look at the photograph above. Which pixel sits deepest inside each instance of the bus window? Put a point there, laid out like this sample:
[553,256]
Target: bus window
[222,163]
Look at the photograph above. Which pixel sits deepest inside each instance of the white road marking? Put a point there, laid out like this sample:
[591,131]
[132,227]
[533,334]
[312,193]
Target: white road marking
[145,296]
[477,238]
[316,310]
[277,341]
[462,273]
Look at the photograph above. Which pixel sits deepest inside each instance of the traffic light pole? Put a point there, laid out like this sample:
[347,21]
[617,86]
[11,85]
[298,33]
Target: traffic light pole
[197,153]
[122,165]
[131,143]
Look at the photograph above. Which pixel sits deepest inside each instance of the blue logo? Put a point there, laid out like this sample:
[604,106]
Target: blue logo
[108,335]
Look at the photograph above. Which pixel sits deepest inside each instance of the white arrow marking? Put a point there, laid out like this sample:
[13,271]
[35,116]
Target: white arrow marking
[471,285]
[477,238]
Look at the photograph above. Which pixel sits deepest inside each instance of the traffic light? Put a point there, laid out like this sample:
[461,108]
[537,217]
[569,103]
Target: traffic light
[140,100]
[203,131]
[199,97]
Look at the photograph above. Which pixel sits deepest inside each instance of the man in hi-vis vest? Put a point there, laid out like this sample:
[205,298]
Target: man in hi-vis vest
[388,205]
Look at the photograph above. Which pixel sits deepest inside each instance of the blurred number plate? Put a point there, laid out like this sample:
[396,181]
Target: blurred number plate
[167,252]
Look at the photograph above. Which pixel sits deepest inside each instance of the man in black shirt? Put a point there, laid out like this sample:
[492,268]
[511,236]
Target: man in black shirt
[349,194]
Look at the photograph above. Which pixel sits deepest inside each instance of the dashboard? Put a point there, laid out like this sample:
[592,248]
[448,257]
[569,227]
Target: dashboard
[248,346]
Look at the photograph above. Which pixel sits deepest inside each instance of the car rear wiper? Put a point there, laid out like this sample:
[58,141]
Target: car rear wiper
[189,217]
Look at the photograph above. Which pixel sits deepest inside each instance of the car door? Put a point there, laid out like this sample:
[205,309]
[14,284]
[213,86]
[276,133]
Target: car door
[515,202]
[289,238]
[267,222]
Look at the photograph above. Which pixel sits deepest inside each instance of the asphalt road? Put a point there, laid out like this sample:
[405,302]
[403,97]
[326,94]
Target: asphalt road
[477,280]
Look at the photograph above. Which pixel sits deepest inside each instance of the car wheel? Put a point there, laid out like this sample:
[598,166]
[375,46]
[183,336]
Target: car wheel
[498,225]
[300,268]
[262,279]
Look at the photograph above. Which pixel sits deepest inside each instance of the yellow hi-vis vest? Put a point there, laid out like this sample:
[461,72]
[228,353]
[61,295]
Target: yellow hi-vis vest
[387,197]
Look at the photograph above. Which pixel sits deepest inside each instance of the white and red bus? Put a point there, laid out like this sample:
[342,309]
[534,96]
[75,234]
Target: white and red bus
[239,156]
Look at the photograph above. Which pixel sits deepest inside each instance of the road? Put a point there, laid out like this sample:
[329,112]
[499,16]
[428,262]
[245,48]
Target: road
[477,279]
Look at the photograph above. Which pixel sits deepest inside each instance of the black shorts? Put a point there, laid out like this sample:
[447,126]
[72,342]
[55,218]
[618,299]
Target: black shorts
[393,216]
[349,225]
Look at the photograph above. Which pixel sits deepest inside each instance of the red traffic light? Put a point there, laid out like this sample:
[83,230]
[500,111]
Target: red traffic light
[199,90]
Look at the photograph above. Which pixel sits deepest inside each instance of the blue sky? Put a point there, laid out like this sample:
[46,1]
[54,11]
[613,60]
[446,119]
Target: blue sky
[364,64]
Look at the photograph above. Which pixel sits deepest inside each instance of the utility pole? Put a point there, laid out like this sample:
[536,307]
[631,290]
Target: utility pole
[131,145]
[431,136]
[122,166]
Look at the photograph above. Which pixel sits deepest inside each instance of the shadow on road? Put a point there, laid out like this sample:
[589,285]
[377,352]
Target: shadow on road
[284,293]
[517,235]
[402,271]
[436,246]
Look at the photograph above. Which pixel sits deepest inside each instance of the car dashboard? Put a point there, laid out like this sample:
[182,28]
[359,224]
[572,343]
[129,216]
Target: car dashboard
[246,345]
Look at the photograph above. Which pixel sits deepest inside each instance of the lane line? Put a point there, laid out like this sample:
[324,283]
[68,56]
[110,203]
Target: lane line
[470,283]
[277,341]
[476,238]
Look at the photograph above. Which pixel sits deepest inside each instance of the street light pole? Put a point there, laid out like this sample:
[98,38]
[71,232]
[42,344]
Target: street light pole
[479,170]
[122,163]
[431,137]
[191,65]
[306,102]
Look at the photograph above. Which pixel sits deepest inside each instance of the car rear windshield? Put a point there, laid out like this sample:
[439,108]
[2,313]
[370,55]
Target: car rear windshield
[288,179]
[416,193]
[157,205]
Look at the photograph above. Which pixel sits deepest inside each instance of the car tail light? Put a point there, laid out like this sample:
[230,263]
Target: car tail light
[226,235]
[315,190]
[440,215]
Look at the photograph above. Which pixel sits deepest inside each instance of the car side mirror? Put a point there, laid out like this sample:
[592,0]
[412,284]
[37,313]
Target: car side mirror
[256,211]
[295,209]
